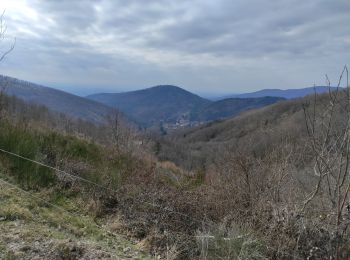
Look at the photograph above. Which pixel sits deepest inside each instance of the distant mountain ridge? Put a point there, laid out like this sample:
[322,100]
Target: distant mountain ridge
[284,93]
[164,104]
[56,100]
[174,105]
[153,105]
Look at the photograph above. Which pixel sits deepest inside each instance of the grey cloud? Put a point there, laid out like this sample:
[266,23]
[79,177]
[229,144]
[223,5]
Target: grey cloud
[141,43]
[238,28]
[259,32]
[69,15]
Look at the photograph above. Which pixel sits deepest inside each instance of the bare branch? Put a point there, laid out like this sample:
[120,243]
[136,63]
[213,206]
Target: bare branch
[3,29]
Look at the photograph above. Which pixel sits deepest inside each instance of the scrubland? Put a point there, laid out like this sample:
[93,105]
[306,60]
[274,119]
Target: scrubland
[270,183]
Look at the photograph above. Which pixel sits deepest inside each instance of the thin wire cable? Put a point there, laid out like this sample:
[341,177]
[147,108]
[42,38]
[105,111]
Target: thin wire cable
[107,231]
[96,184]
[56,169]
[103,187]
[38,198]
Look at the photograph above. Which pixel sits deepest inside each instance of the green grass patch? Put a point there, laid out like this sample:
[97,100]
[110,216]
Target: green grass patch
[77,156]
[21,142]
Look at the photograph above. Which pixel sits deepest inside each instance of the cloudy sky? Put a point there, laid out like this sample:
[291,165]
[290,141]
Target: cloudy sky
[205,46]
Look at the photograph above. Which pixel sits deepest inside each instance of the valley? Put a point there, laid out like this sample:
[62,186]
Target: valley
[172,193]
[161,107]
[175,130]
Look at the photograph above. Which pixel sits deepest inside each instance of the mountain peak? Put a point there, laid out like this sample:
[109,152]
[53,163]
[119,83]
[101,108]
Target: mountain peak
[166,87]
[155,104]
[169,88]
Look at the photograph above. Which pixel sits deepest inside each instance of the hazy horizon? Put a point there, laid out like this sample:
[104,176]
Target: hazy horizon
[83,91]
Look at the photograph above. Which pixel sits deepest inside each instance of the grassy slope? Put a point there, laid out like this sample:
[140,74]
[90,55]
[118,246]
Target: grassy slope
[133,178]
[30,228]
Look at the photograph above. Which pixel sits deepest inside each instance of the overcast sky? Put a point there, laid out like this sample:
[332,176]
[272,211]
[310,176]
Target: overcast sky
[205,46]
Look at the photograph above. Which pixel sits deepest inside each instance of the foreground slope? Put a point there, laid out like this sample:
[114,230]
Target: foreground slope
[56,100]
[30,229]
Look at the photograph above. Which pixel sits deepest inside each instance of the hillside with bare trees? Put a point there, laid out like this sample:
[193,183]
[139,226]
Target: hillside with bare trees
[117,172]
[272,182]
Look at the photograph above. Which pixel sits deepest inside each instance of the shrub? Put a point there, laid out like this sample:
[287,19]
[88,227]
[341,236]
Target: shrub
[229,243]
[21,142]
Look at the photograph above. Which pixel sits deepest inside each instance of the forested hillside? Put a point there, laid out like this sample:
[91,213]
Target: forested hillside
[162,172]
[263,184]
[230,107]
[173,107]
[282,168]
[56,100]
[153,105]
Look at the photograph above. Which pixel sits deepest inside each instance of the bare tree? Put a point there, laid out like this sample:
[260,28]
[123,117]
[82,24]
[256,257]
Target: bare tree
[116,126]
[329,138]
[121,132]
[2,102]
[3,29]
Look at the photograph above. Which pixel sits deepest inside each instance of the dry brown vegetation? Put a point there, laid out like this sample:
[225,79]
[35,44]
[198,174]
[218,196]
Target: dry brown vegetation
[270,183]
[280,173]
